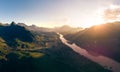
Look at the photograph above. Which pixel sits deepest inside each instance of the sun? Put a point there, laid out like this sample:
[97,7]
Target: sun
[96,19]
[89,20]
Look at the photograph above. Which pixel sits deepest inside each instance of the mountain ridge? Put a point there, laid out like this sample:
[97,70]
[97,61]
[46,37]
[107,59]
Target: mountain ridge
[103,39]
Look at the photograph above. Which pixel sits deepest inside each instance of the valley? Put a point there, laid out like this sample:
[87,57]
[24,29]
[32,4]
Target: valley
[47,53]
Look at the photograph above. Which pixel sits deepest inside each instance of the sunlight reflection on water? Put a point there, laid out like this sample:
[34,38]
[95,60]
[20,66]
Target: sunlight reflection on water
[102,60]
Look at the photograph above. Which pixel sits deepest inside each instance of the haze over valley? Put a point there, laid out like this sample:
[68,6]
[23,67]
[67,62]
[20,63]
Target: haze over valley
[59,36]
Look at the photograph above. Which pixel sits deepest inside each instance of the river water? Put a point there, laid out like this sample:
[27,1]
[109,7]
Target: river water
[102,60]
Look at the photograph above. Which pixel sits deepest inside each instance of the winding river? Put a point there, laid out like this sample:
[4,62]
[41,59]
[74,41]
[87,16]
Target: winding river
[102,60]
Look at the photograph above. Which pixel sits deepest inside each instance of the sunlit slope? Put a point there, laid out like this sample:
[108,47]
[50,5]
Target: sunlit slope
[103,39]
[17,37]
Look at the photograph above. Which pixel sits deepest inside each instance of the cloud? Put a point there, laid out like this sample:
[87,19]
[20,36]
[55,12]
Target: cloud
[116,2]
[112,13]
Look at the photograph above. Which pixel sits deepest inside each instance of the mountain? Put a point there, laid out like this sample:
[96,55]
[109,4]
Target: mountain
[19,36]
[35,28]
[67,29]
[101,39]
[13,32]
[24,50]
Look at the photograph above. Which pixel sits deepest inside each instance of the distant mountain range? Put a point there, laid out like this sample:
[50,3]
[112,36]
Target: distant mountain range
[67,29]
[35,28]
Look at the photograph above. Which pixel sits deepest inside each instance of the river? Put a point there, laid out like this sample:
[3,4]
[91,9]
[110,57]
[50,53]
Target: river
[102,60]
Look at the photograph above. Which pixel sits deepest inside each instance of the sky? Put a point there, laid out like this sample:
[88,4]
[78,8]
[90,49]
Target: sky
[53,13]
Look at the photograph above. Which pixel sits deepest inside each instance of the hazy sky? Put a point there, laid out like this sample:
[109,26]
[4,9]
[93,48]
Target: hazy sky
[52,13]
